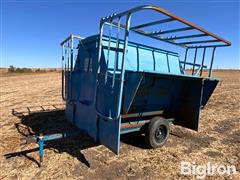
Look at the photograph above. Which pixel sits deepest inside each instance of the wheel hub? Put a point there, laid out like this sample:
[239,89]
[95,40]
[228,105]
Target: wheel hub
[160,133]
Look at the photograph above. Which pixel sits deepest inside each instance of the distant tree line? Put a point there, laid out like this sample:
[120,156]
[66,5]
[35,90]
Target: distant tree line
[13,69]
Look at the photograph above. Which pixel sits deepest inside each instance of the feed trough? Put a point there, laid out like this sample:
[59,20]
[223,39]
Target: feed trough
[113,86]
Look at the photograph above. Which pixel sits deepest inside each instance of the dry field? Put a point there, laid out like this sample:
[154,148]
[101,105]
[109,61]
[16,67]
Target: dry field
[75,158]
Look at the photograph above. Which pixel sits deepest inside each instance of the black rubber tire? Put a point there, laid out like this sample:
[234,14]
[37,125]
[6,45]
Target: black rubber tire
[157,132]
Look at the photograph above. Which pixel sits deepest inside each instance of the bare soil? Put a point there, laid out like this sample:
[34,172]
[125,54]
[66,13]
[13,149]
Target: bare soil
[80,158]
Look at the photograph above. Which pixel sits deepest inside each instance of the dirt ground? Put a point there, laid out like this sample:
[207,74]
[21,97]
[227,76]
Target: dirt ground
[216,142]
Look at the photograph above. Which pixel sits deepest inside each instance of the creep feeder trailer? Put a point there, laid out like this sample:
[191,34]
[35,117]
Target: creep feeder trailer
[114,86]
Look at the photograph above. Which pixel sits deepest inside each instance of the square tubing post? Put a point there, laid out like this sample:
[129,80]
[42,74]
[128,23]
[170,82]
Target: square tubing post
[116,53]
[71,65]
[108,53]
[194,62]
[203,58]
[154,61]
[100,45]
[185,59]
[168,62]
[128,19]
[63,74]
[210,69]
[41,148]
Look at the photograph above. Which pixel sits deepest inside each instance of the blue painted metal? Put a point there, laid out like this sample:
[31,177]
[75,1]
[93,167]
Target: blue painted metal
[113,77]
[42,139]
[150,88]
[41,148]
[208,88]
[129,130]
[115,86]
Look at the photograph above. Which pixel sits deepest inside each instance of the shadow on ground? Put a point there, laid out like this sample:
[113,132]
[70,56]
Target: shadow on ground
[51,122]
[54,121]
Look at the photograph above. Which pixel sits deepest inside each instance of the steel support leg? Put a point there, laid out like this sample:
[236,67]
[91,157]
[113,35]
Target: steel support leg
[41,149]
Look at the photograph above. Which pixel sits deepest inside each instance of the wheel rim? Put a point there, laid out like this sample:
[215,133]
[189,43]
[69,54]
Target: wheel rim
[160,134]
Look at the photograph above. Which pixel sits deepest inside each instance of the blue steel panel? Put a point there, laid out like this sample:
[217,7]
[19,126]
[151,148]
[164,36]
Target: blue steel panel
[133,81]
[84,114]
[69,112]
[109,134]
[187,110]
[161,62]
[86,119]
[108,131]
[144,60]
[154,93]
[178,96]
[208,88]
[107,101]
[174,64]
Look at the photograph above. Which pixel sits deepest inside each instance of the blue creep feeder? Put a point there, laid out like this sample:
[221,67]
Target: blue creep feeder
[114,86]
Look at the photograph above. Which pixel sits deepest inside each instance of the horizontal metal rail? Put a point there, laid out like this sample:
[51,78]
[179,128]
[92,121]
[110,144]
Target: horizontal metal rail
[208,46]
[184,37]
[197,42]
[142,114]
[153,23]
[189,63]
[171,31]
[72,36]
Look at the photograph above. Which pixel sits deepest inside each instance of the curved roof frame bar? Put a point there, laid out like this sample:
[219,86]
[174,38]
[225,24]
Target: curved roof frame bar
[171,39]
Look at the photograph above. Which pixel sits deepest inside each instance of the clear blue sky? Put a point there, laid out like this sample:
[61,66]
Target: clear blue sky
[32,30]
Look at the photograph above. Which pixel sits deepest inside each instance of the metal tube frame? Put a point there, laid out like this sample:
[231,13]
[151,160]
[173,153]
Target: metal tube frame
[167,13]
[172,39]
[128,19]
[194,62]
[63,74]
[171,17]
[67,62]
[203,58]
[211,64]
[127,29]
[185,59]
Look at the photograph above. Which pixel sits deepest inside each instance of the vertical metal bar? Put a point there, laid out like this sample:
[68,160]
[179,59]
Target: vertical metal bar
[65,70]
[100,46]
[168,63]
[185,59]
[71,65]
[137,59]
[210,69]
[63,74]
[41,148]
[194,62]
[68,69]
[154,61]
[109,45]
[98,69]
[203,58]
[116,54]
[68,51]
[65,62]
[128,19]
